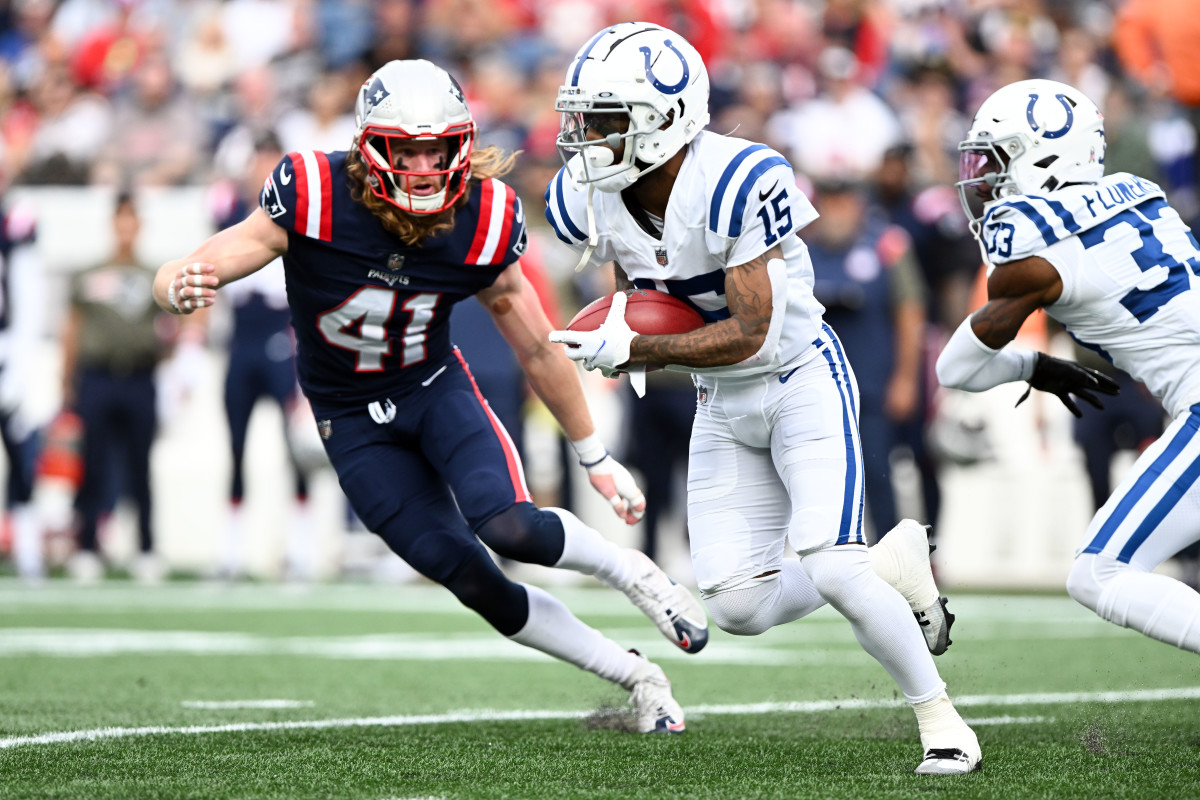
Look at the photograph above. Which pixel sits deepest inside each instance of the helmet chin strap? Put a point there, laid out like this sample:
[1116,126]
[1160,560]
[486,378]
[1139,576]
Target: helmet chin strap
[593,237]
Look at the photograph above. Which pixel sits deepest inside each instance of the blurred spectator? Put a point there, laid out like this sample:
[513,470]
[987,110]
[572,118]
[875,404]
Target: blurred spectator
[261,366]
[20,43]
[326,123]
[659,433]
[1076,66]
[934,127]
[111,346]
[344,31]
[844,131]
[258,31]
[105,56]
[155,138]
[1127,135]
[860,27]
[395,31]
[205,62]
[1156,42]
[256,108]
[73,127]
[22,303]
[1130,421]
[500,108]
[869,282]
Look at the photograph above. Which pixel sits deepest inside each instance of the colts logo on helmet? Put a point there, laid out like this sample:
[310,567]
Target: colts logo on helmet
[374,93]
[674,88]
[1062,98]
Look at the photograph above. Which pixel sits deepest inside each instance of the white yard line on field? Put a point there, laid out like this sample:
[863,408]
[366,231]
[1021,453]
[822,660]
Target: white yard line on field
[207,705]
[1147,695]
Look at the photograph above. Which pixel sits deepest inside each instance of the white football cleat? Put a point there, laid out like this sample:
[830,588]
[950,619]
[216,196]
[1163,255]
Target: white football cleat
[957,759]
[650,694]
[670,606]
[907,546]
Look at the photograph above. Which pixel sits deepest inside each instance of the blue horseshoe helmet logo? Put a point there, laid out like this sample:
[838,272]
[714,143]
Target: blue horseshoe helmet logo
[674,88]
[1066,104]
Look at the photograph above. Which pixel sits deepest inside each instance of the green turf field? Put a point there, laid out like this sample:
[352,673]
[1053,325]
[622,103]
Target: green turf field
[353,691]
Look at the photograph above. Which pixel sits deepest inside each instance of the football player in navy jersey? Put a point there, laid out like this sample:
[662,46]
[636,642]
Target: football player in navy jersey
[378,243]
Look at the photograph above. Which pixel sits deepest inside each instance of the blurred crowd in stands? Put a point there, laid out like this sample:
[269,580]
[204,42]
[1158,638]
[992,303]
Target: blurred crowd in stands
[867,98]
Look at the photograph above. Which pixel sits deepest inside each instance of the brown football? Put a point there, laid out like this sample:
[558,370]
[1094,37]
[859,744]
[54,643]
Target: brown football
[647,312]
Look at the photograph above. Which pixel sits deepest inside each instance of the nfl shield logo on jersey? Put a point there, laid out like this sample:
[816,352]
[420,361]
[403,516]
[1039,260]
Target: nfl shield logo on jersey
[395,261]
[325,428]
[660,255]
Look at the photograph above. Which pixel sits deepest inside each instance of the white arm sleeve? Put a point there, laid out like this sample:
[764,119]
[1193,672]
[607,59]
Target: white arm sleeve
[971,365]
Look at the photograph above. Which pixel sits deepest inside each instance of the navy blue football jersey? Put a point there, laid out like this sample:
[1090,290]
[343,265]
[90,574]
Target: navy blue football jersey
[372,314]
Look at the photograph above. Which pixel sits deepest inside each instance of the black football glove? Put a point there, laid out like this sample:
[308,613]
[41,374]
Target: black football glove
[1066,378]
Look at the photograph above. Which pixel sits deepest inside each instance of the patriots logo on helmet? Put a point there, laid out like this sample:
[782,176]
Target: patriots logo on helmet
[374,93]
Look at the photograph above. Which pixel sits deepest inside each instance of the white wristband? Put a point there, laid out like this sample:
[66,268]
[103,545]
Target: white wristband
[590,449]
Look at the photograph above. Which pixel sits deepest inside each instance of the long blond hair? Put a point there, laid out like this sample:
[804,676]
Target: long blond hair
[413,229]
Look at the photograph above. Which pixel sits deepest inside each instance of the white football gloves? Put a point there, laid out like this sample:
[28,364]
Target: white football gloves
[607,347]
[610,478]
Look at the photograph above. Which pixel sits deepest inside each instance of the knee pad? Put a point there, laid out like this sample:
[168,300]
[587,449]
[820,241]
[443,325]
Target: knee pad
[742,611]
[525,533]
[1089,575]
[480,586]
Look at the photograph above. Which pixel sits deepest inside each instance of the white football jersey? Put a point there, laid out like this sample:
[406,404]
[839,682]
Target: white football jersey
[1129,267]
[733,200]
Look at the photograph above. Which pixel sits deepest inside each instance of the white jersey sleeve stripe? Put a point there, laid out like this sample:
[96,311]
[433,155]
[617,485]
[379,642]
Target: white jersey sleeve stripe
[312,172]
[718,198]
[739,205]
[495,221]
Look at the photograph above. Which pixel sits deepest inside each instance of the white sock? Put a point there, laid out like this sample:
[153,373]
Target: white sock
[752,609]
[233,543]
[1156,605]
[888,564]
[301,559]
[28,547]
[941,726]
[586,550]
[880,617]
[554,630]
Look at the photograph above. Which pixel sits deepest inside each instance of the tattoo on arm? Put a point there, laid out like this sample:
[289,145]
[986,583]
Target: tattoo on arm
[748,295]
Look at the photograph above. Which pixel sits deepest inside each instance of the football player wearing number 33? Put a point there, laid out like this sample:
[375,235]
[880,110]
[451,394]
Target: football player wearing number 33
[1108,258]
[378,243]
[775,457]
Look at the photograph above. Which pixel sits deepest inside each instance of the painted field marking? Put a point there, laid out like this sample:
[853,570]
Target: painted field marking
[1050,698]
[223,704]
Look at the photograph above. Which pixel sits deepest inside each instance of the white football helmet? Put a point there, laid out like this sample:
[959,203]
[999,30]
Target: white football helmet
[635,84]
[1028,137]
[407,101]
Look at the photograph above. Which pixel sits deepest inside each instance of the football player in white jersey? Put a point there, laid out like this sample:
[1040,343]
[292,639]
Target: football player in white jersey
[774,457]
[1108,258]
